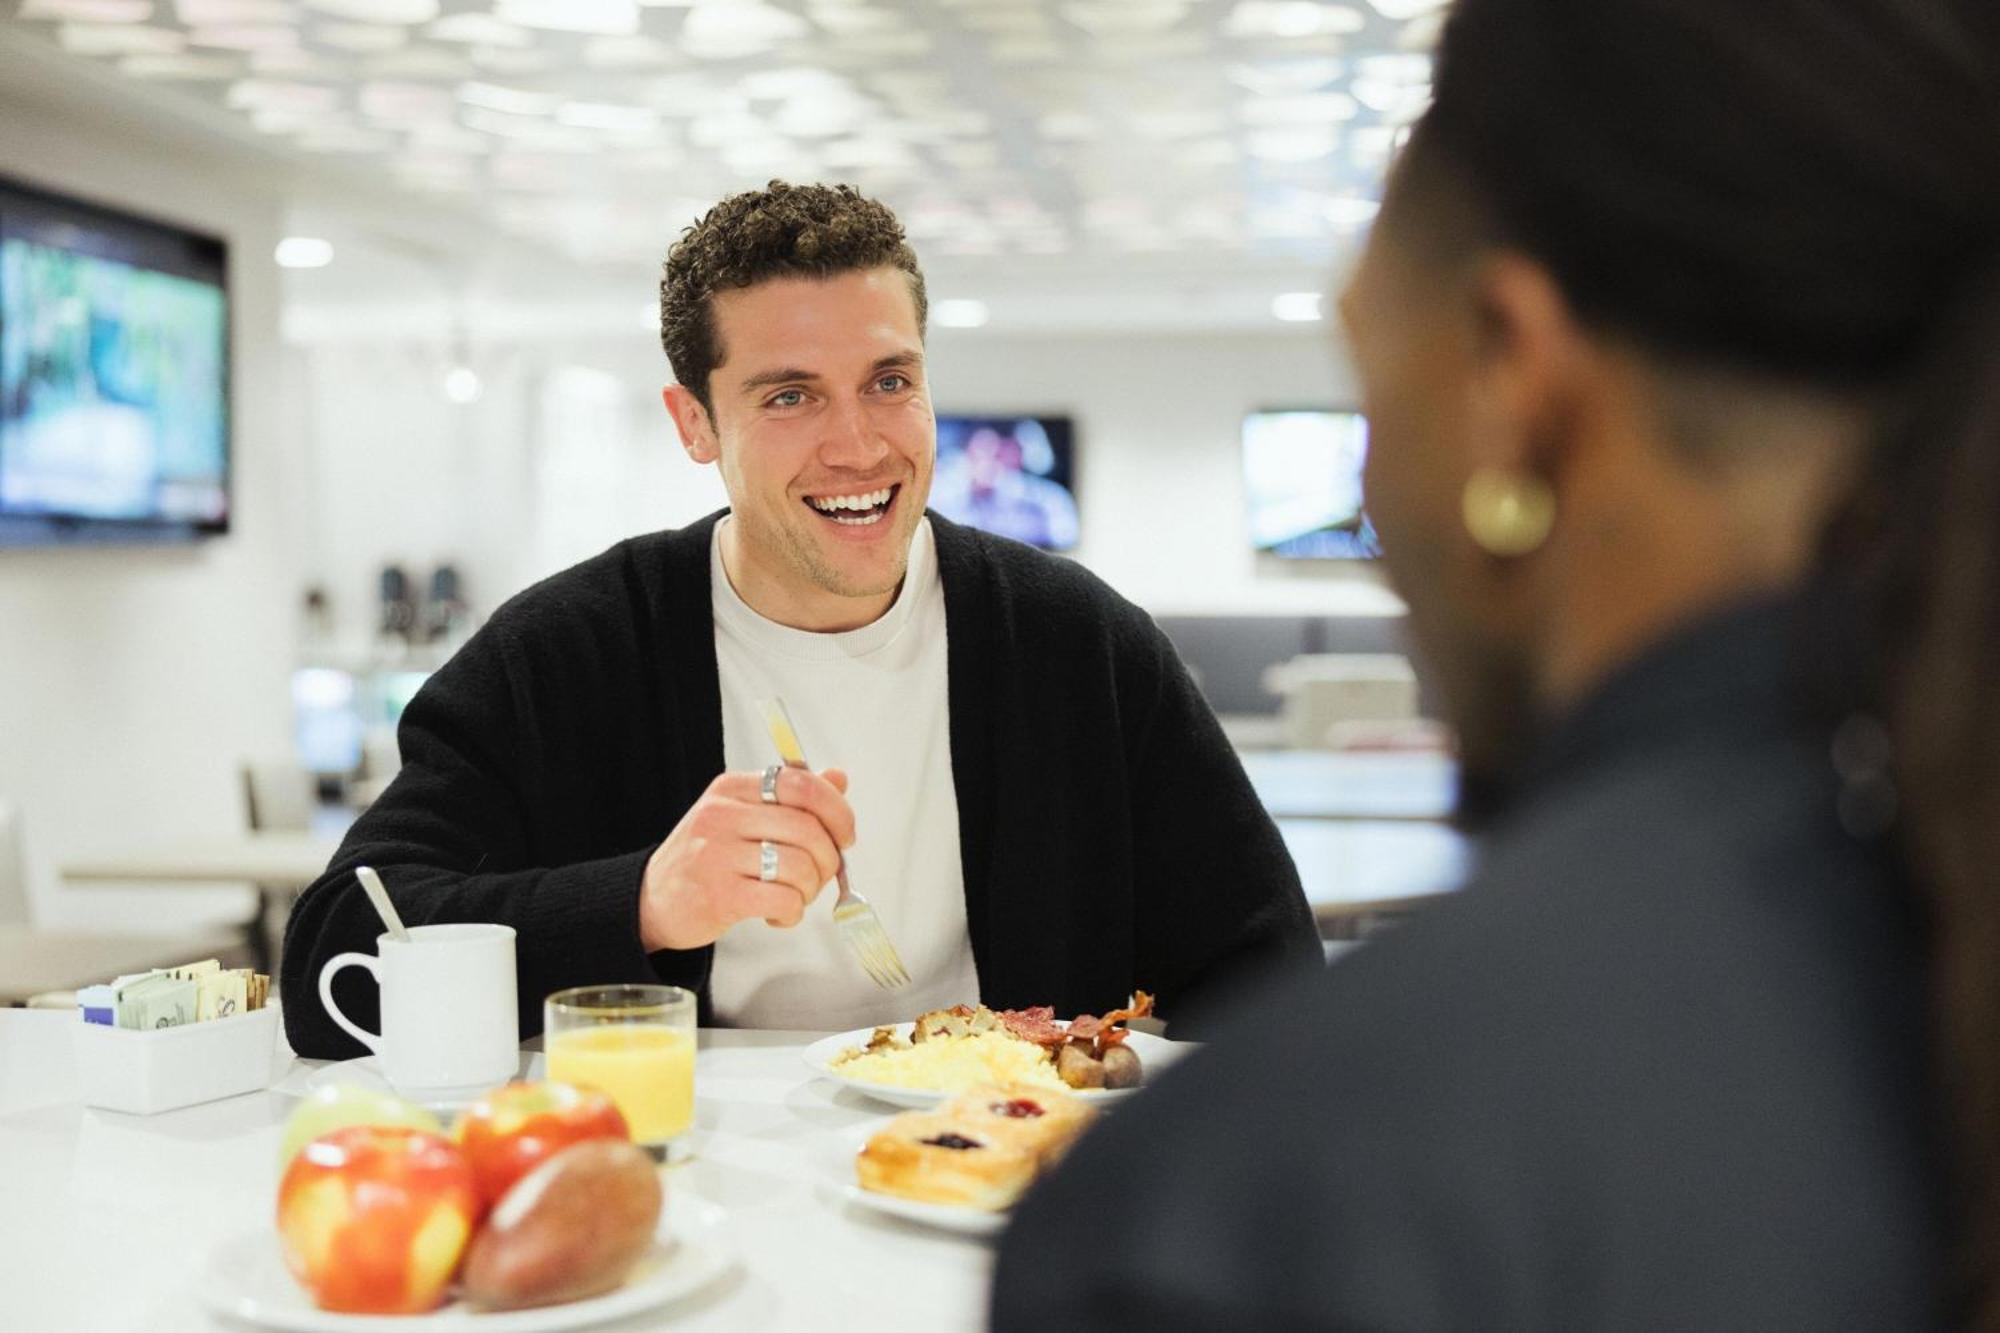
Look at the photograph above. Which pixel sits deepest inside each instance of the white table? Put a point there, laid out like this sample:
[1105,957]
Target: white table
[1346,784]
[281,859]
[106,1220]
[1357,871]
[277,863]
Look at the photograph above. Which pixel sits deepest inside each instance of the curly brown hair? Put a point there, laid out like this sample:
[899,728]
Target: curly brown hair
[783,230]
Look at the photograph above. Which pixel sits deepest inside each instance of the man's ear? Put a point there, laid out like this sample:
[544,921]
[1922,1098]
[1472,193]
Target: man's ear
[691,419]
[1529,354]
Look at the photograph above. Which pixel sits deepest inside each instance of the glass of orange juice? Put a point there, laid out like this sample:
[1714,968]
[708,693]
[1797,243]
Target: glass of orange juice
[635,1044]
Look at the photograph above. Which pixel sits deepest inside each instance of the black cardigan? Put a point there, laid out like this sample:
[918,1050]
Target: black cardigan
[1109,838]
[1662,1065]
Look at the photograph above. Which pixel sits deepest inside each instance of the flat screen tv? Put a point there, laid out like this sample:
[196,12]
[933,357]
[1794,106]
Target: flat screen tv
[1010,475]
[114,375]
[1302,478]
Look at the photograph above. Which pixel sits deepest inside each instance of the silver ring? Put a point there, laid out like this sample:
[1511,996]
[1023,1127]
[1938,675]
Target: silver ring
[767,860]
[769,789]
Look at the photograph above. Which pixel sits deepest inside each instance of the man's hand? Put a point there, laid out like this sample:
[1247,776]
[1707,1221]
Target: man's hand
[704,878]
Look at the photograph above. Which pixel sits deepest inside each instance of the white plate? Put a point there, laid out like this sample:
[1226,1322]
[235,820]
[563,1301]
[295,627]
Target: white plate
[366,1071]
[840,1182]
[246,1279]
[1155,1054]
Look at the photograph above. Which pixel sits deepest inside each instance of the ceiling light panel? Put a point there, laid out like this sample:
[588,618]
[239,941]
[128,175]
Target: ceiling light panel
[479,29]
[196,12]
[88,11]
[359,38]
[377,11]
[1213,126]
[611,18]
[1122,18]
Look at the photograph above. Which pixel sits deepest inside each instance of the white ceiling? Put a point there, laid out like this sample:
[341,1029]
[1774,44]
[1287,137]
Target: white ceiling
[1234,143]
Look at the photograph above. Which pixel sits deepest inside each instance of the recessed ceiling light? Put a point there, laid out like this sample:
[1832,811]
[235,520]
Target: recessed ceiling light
[960,313]
[304,252]
[1297,307]
[461,385]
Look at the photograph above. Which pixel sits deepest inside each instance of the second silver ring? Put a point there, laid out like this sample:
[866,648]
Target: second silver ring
[767,860]
[768,789]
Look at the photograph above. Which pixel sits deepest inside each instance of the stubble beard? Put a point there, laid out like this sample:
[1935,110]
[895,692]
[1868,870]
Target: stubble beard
[802,553]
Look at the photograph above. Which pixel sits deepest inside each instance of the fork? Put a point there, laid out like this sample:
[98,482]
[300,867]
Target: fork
[859,925]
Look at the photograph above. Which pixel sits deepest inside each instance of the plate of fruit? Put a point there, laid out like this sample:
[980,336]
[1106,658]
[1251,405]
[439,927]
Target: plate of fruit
[536,1212]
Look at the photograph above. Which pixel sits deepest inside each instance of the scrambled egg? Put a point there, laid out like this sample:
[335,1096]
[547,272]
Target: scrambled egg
[953,1064]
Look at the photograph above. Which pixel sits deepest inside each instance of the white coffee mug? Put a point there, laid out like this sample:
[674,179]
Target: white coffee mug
[450,1022]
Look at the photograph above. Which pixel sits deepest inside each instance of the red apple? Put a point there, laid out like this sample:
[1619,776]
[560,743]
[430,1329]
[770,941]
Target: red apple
[375,1218]
[512,1130]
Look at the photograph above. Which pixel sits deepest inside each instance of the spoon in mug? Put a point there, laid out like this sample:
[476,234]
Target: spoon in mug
[371,884]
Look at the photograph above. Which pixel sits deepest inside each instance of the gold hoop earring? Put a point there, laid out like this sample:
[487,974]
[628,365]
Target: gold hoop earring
[1508,513]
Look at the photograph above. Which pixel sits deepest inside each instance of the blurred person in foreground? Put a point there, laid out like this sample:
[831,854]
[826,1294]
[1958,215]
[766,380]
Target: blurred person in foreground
[1679,335]
[1042,809]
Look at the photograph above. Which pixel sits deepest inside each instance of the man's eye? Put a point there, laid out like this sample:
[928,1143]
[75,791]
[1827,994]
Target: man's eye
[892,383]
[787,398]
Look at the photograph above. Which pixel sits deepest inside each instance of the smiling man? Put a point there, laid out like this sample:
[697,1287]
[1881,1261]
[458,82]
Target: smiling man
[1042,810]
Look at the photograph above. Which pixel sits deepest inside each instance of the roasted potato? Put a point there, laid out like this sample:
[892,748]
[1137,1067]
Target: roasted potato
[573,1227]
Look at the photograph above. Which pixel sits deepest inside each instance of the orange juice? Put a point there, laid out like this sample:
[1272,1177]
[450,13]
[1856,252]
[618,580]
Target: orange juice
[646,1068]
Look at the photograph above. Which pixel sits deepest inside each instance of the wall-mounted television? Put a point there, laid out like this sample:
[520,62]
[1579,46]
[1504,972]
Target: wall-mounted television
[1010,475]
[114,375]
[1302,479]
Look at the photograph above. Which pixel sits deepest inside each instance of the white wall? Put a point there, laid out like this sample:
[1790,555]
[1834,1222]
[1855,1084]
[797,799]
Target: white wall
[1159,463]
[512,488]
[133,680]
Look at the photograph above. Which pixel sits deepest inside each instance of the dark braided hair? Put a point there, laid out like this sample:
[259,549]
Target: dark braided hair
[813,231]
[1806,191]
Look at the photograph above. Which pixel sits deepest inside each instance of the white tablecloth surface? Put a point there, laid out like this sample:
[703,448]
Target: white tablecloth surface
[107,1220]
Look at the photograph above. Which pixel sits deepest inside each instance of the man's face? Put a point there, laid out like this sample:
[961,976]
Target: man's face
[823,429]
[1414,348]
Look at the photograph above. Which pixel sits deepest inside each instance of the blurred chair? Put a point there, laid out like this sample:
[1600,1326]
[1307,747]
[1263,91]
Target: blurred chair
[381,760]
[279,795]
[37,967]
[1325,694]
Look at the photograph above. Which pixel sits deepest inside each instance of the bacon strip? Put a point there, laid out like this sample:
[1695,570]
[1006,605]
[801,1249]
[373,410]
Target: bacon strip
[1037,1025]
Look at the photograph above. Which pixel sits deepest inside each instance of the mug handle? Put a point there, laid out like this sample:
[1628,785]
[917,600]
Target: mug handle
[368,960]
